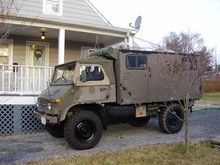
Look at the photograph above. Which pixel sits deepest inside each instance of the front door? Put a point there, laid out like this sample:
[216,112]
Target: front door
[37,54]
[37,61]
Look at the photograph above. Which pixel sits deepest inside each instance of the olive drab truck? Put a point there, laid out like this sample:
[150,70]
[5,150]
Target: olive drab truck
[110,86]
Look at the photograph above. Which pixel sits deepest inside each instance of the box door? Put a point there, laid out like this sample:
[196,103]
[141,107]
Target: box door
[152,78]
[134,79]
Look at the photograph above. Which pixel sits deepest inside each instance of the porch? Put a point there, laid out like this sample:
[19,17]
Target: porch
[19,87]
[23,80]
[37,41]
[35,57]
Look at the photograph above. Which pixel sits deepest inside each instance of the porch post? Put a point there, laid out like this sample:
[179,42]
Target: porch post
[61,46]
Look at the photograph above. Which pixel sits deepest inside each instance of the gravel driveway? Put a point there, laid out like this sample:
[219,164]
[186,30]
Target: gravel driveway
[40,146]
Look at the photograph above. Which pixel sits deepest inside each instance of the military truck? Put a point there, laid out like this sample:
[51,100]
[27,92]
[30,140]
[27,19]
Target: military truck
[110,86]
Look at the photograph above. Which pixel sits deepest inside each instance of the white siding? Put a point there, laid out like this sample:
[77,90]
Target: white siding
[72,49]
[74,11]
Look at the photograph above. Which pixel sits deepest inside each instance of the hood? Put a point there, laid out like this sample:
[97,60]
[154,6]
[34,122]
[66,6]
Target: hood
[54,92]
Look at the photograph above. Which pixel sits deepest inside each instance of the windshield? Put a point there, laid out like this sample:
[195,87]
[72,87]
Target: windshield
[63,75]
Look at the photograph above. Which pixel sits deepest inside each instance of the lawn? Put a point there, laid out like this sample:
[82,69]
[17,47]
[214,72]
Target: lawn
[213,97]
[166,154]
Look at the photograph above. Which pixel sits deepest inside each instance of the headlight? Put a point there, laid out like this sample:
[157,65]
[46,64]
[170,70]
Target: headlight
[49,106]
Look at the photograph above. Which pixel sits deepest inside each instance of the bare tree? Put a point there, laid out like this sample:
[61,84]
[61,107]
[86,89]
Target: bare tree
[5,8]
[189,43]
[8,10]
[181,75]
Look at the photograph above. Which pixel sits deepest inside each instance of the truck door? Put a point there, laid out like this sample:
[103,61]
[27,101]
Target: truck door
[96,86]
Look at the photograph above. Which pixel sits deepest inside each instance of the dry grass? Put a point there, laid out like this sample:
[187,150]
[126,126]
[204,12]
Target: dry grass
[166,154]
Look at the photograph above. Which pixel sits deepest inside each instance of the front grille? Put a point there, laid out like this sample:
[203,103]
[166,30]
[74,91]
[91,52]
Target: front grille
[42,101]
[42,105]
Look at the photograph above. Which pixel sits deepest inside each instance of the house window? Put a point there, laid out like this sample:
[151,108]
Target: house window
[53,7]
[136,61]
[6,52]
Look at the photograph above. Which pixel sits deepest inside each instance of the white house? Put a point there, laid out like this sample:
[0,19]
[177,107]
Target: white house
[44,33]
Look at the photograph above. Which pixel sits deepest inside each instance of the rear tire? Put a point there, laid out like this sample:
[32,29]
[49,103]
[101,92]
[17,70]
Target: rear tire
[83,130]
[55,130]
[139,122]
[170,123]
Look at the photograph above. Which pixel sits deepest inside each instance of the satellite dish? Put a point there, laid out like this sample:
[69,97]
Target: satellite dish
[137,24]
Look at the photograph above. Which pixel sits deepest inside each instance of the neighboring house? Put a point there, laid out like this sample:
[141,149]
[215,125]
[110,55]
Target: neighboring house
[70,27]
[138,44]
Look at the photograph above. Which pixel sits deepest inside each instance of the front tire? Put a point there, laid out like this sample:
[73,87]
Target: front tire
[171,118]
[83,130]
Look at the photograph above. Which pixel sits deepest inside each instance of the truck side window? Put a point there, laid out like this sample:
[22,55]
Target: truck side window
[94,73]
[136,61]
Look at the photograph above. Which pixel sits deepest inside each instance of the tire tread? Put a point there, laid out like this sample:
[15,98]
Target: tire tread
[69,133]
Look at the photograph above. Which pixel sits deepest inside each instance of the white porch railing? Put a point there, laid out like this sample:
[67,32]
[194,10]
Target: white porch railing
[24,80]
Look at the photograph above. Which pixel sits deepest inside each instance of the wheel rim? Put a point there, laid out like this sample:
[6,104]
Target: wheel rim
[85,130]
[173,120]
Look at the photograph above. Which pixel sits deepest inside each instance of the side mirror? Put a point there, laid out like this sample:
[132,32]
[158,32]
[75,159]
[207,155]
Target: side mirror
[83,76]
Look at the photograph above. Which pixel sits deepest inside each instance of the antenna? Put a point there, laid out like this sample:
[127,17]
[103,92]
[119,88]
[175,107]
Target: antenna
[137,24]
[96,42]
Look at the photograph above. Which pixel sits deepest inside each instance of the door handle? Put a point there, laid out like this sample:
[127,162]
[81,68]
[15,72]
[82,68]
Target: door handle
[102,89]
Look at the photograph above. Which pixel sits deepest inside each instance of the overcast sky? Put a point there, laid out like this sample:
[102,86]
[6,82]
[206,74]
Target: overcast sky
[159,17]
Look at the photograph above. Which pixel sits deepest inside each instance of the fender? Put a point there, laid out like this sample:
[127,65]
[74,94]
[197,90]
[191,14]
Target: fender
[66,110]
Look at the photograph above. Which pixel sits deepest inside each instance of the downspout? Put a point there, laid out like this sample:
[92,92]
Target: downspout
[129,40]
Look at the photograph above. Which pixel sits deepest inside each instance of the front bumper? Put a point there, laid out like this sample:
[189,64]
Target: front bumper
[45,118]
